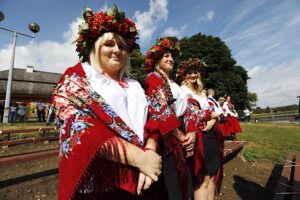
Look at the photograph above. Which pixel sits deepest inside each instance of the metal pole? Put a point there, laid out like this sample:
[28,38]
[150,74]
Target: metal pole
[299,110]
[9,81]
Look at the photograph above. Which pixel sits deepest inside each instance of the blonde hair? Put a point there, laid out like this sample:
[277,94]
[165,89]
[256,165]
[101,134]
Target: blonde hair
[198,86]
[94,58]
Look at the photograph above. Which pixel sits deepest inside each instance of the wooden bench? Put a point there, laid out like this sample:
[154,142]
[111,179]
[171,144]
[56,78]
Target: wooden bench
[232,148]
[43,130]
[289,183]
[7,160]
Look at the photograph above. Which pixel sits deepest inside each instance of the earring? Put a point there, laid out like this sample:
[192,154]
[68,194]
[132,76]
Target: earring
[157,67]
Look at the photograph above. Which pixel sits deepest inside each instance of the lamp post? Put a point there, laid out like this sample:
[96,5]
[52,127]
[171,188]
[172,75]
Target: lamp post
[299,109]
[34,28]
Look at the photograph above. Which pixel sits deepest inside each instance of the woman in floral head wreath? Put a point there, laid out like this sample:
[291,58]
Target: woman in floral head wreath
[200,117]
[167,103]
[104,150]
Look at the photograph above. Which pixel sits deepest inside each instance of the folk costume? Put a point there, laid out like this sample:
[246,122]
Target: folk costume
[95,114]
[166,103]
[232,116]
[207,157]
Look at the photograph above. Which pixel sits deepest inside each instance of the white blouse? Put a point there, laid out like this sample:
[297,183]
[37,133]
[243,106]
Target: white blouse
[129,103]
[202,100]
[181,99]
[228,111]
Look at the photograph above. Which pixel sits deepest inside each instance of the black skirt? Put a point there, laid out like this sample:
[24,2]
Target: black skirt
[211,152]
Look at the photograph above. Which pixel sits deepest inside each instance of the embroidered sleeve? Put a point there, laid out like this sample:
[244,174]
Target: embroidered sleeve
[194,116]
[161,120]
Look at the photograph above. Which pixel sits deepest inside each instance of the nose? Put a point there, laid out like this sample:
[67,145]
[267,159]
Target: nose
[171,58]
[116,48]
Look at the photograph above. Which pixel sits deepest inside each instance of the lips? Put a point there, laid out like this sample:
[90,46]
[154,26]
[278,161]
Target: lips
[192,78]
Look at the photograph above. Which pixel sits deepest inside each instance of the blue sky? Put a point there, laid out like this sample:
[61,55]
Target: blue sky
[262,35]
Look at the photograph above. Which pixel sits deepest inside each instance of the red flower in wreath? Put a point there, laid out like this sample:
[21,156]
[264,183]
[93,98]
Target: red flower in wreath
[95,24]
[191,64]
[162,45]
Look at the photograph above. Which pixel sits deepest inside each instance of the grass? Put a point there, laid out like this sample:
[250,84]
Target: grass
[269,142]
[28,125]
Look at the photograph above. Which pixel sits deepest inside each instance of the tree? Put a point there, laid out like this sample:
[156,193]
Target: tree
[252,99]
[137,65]
[222,74]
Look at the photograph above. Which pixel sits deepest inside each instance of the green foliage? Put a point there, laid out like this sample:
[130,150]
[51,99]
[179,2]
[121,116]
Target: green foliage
[137,65]
[222,74]
[252,99]
[282,109]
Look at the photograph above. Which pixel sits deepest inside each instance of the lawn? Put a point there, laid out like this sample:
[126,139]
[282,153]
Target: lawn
[28,125]
[268,142]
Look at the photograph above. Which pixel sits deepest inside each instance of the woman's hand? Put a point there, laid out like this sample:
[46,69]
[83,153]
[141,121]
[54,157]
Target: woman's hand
[209,125]
[144,182]
[180,135]
[189,143]
[149,163]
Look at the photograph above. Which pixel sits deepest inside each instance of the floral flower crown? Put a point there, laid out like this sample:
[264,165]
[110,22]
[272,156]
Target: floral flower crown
[95,24]
[162,45]
[190,64]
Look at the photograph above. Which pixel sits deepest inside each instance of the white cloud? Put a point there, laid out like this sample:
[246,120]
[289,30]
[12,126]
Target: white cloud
[50,56]
[276,85]
[255,71]
[178,32]
[208,17]
[148,21]
[240,12]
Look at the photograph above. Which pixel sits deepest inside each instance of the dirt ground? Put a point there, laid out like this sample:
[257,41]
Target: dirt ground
[242,180]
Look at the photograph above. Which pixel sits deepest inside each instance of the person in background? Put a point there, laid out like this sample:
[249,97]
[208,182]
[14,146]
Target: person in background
[1,111]
[201,118]
[232,116]
[13,112]
[167,103]
[40,107]
[51,115]
[22,112]
[247,113]
[105,150]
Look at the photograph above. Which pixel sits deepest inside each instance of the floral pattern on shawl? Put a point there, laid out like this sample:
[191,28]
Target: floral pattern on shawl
[157,104]
[76,100]
[161,120]
[195,116]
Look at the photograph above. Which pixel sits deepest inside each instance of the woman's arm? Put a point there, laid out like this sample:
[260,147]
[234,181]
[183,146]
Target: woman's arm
[148,162]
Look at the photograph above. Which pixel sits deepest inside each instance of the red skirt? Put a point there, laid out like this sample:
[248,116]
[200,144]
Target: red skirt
[236,125]
[229,126]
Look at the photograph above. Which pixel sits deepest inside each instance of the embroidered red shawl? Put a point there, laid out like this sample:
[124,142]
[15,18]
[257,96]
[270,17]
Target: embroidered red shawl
[87,122]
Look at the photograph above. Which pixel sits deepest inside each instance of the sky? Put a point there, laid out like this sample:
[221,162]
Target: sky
[263,35]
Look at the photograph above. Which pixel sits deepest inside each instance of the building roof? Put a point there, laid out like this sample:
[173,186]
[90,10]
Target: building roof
[29,85]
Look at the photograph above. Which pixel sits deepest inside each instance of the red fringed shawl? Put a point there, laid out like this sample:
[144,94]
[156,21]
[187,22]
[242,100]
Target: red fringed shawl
[87,122]
[161,125]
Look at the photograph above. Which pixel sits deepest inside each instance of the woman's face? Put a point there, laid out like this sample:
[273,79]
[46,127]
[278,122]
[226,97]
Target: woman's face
[166,63]
[228,98]
[192,76]
[113,55]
